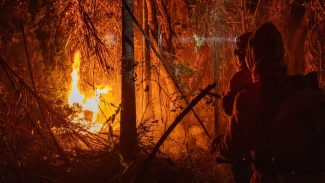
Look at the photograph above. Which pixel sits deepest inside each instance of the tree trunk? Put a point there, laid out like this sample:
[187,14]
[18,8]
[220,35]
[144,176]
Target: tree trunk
[242,15]
[128,134]
[215,76]
[146,59]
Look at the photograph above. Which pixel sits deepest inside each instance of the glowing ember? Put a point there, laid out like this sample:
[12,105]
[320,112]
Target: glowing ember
[89,104]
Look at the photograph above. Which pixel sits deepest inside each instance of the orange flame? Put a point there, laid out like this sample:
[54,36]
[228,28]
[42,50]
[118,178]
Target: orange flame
[87,103]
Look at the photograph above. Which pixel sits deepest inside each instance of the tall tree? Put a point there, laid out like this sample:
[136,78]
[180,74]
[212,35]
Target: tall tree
[128,134]
[146,59]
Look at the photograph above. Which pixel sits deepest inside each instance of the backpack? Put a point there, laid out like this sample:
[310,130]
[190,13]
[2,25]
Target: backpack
[299,127]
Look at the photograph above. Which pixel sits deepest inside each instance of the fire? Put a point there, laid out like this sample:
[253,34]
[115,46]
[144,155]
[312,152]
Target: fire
[87,103]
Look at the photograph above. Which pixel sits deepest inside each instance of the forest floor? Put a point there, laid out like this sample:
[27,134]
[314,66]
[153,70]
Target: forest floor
[105,166]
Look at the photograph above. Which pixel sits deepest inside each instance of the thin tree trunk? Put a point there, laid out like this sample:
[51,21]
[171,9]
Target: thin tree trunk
[242,15]
[152,18]
[128,134]
[215,75]
[146,59]
[167,26]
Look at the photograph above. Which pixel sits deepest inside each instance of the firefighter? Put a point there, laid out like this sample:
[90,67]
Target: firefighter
[241,78]
[278,119]
[241,169]
[249,129]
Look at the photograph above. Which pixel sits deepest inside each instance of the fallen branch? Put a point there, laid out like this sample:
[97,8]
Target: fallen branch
[214,94]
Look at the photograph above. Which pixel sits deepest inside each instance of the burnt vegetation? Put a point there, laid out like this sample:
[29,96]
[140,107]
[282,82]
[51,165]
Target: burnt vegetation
[179,48]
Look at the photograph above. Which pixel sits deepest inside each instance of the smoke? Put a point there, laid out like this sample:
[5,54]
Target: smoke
[201,40]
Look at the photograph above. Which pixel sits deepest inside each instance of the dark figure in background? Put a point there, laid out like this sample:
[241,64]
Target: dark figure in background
[241,78]
[256,124]
[241,169]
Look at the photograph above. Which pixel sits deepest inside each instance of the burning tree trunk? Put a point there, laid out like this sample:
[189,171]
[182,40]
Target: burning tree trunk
[128,135]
